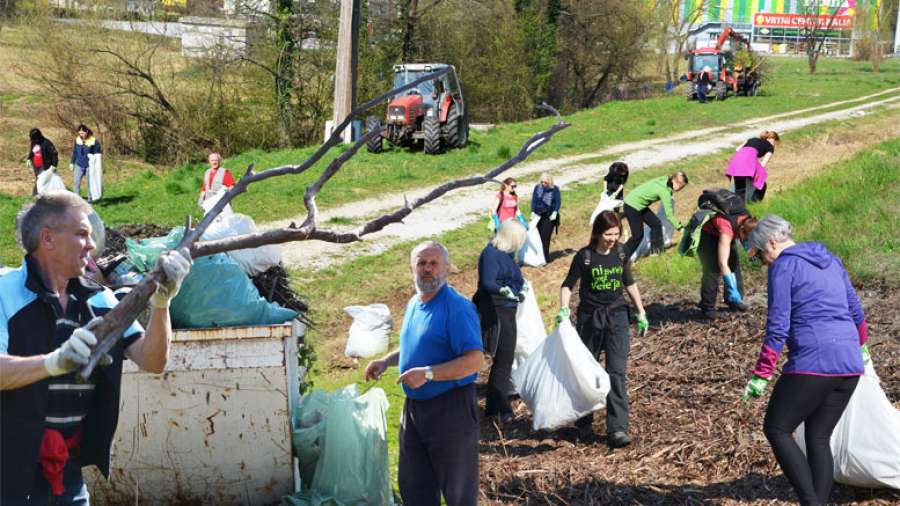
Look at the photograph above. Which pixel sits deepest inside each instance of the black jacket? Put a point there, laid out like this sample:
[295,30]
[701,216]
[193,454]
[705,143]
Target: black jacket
[48,152]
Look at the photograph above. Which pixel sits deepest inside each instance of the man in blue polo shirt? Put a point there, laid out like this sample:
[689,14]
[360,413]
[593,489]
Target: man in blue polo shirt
[440,355]
[51,425]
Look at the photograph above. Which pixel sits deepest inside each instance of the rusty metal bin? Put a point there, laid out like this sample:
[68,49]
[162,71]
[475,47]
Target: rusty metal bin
[214,428]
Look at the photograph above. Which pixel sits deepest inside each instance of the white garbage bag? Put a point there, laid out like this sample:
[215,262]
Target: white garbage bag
[866,441]
[533,250]
[95,176]
[370,333]
[49,181]
[643,248]
[253,261]
[212,199]
[560,381]
[530,331]
[607,203]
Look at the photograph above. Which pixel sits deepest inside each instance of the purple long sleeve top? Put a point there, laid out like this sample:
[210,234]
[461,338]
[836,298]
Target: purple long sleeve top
[814,310]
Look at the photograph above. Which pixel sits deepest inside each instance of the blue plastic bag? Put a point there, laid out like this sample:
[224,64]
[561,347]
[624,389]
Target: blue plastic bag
[217,293]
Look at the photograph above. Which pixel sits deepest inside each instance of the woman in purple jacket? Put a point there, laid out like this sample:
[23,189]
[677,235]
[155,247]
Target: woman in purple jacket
[813,309]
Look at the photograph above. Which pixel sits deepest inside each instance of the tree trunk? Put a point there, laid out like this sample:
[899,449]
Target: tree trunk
[813,57]
[284,74]
[409,14]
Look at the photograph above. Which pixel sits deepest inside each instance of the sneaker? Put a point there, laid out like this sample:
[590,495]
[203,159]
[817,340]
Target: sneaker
[739,307]
[618,440]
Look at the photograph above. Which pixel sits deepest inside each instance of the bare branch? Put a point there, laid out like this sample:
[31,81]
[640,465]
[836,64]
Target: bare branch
[119,318]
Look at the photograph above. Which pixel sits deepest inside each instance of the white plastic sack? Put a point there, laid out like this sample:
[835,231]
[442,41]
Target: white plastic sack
[866,441]
[252,261]
[530,331]
[48,181]
[212,199]
[607,203]
[95,176]
[533,249]
[370,333]
[561,382]
[643,248]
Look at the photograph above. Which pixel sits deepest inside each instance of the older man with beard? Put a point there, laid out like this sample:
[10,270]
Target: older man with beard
[439,357]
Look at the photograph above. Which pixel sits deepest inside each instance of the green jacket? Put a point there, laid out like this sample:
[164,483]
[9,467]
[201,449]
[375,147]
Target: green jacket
[656,189]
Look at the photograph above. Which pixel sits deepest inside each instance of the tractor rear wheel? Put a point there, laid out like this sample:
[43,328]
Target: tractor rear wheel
[375,144]
[453,128]
[690,89]
[754,89]
[432,130]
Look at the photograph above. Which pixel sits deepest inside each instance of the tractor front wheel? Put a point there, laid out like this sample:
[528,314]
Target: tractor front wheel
[374,145]
[432,130]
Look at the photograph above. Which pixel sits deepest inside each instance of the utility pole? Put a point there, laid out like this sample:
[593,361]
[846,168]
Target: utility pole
[345,71]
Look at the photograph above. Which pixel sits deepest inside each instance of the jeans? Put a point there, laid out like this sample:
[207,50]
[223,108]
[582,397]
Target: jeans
[439,449]
[81,172]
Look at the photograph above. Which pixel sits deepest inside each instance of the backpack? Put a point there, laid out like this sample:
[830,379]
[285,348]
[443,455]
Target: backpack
[712,201]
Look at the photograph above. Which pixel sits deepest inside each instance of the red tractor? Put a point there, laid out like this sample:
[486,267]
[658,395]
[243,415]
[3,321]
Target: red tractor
[725,76]
[434,113]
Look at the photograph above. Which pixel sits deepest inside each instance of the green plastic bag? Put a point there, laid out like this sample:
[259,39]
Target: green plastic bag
[217,293]
[144,253]
[346,432]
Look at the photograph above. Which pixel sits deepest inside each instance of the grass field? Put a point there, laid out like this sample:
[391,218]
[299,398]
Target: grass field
[165,195]
[868,256]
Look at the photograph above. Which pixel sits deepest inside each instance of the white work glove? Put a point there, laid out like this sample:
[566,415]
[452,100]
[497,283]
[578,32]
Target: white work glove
[176,266]
[553,216]
[72,166]
[73,353]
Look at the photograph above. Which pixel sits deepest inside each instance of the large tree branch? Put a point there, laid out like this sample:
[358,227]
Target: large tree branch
[119,318]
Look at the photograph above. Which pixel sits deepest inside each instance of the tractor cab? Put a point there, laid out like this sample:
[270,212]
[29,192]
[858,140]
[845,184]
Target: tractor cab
[433,112]
[705,58]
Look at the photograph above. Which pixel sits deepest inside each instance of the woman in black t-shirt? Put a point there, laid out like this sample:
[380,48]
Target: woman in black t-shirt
[747,168]
[602,316]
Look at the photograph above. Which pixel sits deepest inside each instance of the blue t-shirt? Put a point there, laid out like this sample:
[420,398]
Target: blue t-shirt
[435,332]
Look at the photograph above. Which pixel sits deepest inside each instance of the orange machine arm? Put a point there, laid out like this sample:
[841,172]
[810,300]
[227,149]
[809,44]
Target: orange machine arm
[729,32]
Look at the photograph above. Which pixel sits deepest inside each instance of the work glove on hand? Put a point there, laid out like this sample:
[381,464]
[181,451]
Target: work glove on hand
[732,295]
[755,387]
[72,167]
[526,287]
[508,293]
[75,351]
[563,315]
[642,324]
[553,216]
[680,226]
[867,359]
[533,217]
[176,266]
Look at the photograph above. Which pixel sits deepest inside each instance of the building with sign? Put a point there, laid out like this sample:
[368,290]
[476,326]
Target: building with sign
[774,25]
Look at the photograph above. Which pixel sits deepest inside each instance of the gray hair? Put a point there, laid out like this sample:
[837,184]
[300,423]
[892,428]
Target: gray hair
[773,227]
[44,211]
[422,246]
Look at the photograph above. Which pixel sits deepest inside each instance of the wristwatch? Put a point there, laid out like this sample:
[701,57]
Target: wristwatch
[429,373]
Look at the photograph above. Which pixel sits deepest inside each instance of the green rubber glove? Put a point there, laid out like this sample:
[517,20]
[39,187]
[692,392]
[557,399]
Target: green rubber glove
[563,314]
[642,324]
[755,388]
[508,293]
[867,359]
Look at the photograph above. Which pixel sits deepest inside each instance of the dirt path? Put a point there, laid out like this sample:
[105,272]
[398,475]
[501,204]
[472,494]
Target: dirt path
[466,206]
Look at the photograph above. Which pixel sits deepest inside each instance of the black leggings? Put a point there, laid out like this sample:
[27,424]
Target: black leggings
[636,220]
[499,384]
[545,229]
[743,186]
[818,402]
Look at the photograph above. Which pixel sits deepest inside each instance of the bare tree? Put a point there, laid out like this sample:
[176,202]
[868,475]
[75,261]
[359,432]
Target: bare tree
[120,317]
[816,28]
[602,43]
[673,25]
